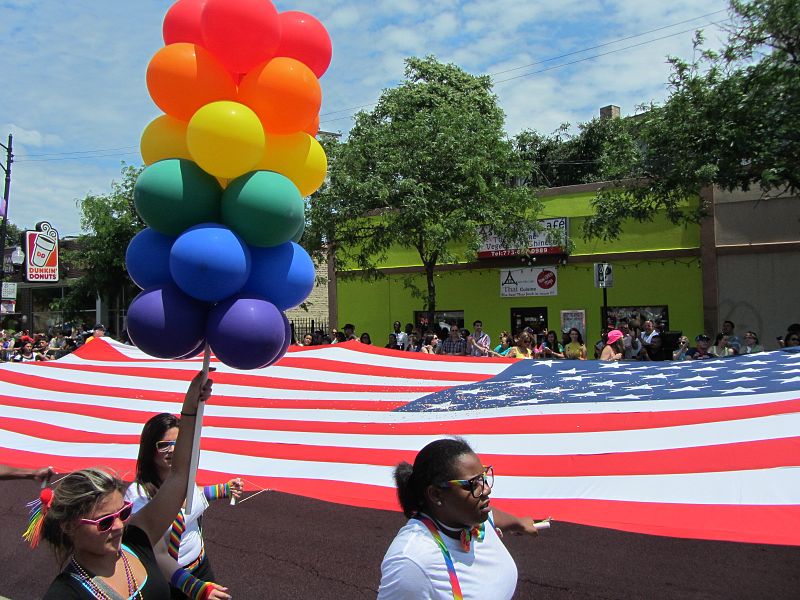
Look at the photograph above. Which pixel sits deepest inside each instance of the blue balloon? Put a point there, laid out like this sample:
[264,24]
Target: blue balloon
[147,258]
[283,274]
[209,262]
[246,332]
[166,323]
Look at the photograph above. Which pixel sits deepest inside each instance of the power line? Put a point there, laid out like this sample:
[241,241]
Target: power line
[77,152]
[546,60]
[580,60]
[86,157]
[625,39]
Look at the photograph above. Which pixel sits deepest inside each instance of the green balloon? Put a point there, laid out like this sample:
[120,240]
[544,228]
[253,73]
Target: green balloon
[299,234]
[175,194]
[263,207]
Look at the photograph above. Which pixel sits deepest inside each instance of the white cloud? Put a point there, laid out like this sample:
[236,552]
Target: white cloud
[74,75]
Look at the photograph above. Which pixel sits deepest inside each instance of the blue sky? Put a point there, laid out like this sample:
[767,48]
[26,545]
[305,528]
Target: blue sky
[74,94]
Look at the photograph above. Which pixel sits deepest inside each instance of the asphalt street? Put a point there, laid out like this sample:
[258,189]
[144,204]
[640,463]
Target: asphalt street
[282,546]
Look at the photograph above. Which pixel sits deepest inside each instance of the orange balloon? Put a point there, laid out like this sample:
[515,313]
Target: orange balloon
[183,77]
[313,128]
[284,93]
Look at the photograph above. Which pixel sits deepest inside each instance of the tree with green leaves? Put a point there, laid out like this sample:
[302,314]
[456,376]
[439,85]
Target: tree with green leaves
[108,223]
[732,120]
[425,169]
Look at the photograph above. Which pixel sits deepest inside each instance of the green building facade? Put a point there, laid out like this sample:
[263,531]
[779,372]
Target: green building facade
[656,273]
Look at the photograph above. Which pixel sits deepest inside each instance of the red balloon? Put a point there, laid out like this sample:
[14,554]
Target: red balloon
[182,22]
[241,33]
[305,39]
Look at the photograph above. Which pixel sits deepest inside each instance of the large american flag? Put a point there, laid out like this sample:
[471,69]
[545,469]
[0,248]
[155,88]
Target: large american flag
[707,449]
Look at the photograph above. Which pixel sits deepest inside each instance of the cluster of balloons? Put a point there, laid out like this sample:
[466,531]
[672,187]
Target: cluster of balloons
[228,166]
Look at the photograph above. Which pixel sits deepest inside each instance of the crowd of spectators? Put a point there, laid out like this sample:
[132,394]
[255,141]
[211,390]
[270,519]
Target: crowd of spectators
[624,340]
[22,346]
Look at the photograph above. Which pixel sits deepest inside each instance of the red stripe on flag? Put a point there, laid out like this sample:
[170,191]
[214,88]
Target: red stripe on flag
[762,454]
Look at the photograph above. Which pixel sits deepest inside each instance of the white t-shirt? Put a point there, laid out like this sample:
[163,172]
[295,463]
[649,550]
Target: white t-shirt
[192,538]
[414,567]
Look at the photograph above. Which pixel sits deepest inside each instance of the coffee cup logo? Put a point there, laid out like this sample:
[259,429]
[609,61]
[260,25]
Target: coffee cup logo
[42,251]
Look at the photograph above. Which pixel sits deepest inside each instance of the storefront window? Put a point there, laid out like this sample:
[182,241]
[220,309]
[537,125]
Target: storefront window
[441,318]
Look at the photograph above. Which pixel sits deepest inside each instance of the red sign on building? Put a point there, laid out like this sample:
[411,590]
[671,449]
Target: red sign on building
[41,253]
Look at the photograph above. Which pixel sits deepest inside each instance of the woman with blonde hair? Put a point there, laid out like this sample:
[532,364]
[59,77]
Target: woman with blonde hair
[106,552]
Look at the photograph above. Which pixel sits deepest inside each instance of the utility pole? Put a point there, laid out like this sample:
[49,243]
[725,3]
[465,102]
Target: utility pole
[6,191]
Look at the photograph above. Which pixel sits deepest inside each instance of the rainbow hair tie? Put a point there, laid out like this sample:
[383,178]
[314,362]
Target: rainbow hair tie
[37,512]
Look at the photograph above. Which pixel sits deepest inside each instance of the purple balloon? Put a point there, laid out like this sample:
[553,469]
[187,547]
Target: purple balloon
[195,352]
[166,323]
[286,342]
[246,332]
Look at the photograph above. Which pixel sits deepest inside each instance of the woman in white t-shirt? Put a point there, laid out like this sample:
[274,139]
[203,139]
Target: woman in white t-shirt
[451,546]
[183,541]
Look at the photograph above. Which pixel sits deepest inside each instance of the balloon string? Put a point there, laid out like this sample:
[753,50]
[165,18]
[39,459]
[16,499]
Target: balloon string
[261,491]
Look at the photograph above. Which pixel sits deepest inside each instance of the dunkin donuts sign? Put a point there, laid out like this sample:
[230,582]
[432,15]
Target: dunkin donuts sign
[41,253]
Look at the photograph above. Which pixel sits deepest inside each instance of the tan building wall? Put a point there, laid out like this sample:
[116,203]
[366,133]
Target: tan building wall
[758,262]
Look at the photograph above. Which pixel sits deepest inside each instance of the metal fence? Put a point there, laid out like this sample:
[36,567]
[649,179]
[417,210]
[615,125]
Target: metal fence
[304,326]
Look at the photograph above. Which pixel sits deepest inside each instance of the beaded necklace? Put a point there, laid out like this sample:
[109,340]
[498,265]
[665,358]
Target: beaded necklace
[88,580]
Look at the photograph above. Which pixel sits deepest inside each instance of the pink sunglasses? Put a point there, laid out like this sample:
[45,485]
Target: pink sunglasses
[107,522]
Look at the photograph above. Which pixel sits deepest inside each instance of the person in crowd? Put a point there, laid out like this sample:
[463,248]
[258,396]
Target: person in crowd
[451,545]
[601,343]
[413,343]
[429,344]
[41,474]
[479,343]
[750,343]
[349,331]
[401,337]
[183,540]
[722,347]
[649,333]
[104,550]
[365,339]
[791,340]
[339,338]
[454,345]
[392,343]
[308,339]
[551,348]
[613,349]
[627,340]
[656,351]
[98,331]
[637,347]
[524,347]
[575,349]
[25,354]
[505,345]
[734,342]
[682,349]
[700,351]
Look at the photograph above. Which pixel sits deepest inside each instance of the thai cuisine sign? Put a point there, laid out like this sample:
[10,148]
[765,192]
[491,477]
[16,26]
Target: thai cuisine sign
[41,253]
[550,239]
[528,282]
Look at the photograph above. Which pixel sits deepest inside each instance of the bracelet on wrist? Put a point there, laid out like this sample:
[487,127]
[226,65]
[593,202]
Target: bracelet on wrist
[185,414]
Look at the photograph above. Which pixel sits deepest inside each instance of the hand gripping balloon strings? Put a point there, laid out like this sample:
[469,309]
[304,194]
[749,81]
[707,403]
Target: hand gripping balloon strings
[198,428]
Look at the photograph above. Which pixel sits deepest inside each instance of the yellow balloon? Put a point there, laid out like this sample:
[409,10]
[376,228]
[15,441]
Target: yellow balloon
[164,137]
[225,139]
[297,156]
